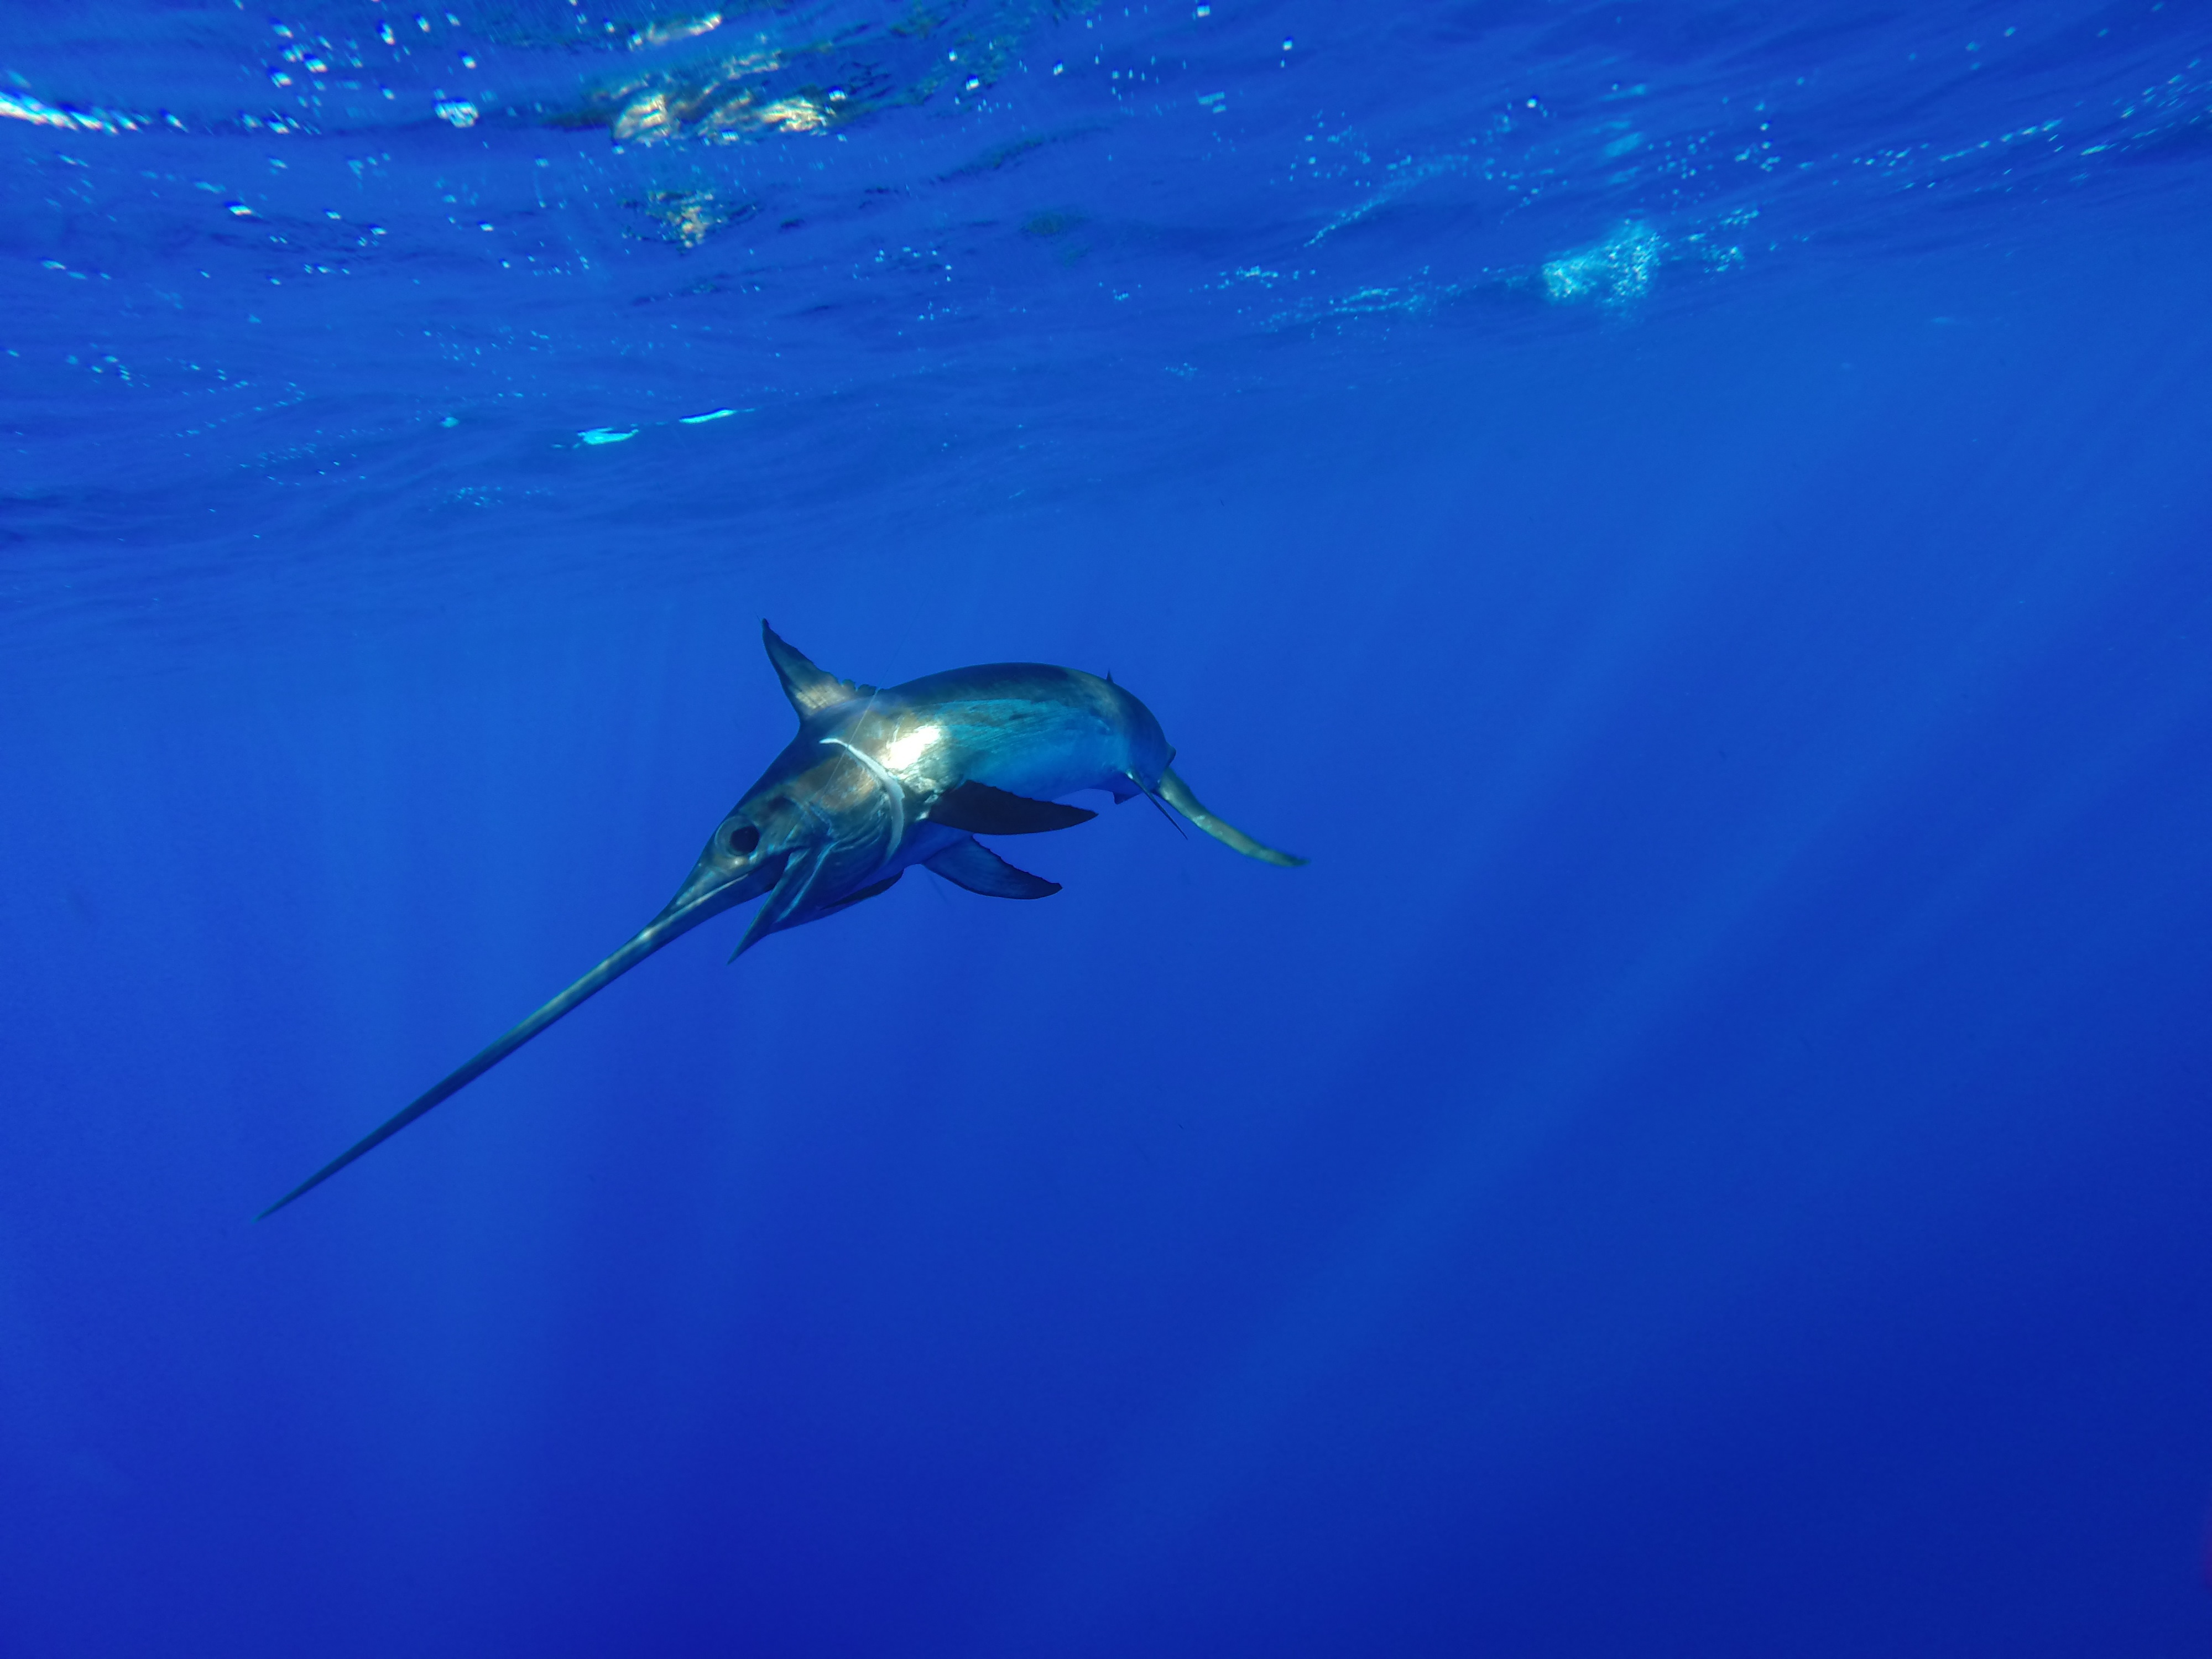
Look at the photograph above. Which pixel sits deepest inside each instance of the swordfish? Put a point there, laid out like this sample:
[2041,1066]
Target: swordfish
[876,782]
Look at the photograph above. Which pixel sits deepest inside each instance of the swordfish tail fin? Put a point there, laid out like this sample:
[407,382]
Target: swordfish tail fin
[668,926]
[1176,793]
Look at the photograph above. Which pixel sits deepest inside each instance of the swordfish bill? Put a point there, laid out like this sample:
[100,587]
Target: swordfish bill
[669,925]
[878,782]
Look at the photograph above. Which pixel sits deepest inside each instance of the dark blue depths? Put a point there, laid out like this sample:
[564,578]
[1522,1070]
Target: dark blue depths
[1712,1156]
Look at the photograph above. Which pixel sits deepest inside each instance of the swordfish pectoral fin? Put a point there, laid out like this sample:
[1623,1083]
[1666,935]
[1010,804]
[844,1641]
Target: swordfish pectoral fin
[1176,793]
[982,811]
[868,892]
[971,865]
[791,889]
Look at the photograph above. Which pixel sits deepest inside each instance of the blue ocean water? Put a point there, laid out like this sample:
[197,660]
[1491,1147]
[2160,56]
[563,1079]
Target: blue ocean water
[1694,518]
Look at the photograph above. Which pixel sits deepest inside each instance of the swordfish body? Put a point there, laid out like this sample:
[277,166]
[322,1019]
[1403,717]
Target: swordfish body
[876,782]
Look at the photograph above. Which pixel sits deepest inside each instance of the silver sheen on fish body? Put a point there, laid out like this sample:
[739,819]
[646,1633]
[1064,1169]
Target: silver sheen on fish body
[876,782]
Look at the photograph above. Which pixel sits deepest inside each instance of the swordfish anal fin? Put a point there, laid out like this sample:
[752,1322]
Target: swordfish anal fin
[971,865]
[811,691]
[1176,793]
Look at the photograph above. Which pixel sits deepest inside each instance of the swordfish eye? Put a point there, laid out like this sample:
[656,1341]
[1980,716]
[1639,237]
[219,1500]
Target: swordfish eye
[742,840]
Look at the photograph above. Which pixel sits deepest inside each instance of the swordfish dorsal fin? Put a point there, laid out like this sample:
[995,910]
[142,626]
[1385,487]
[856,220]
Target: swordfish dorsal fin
[810,689]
